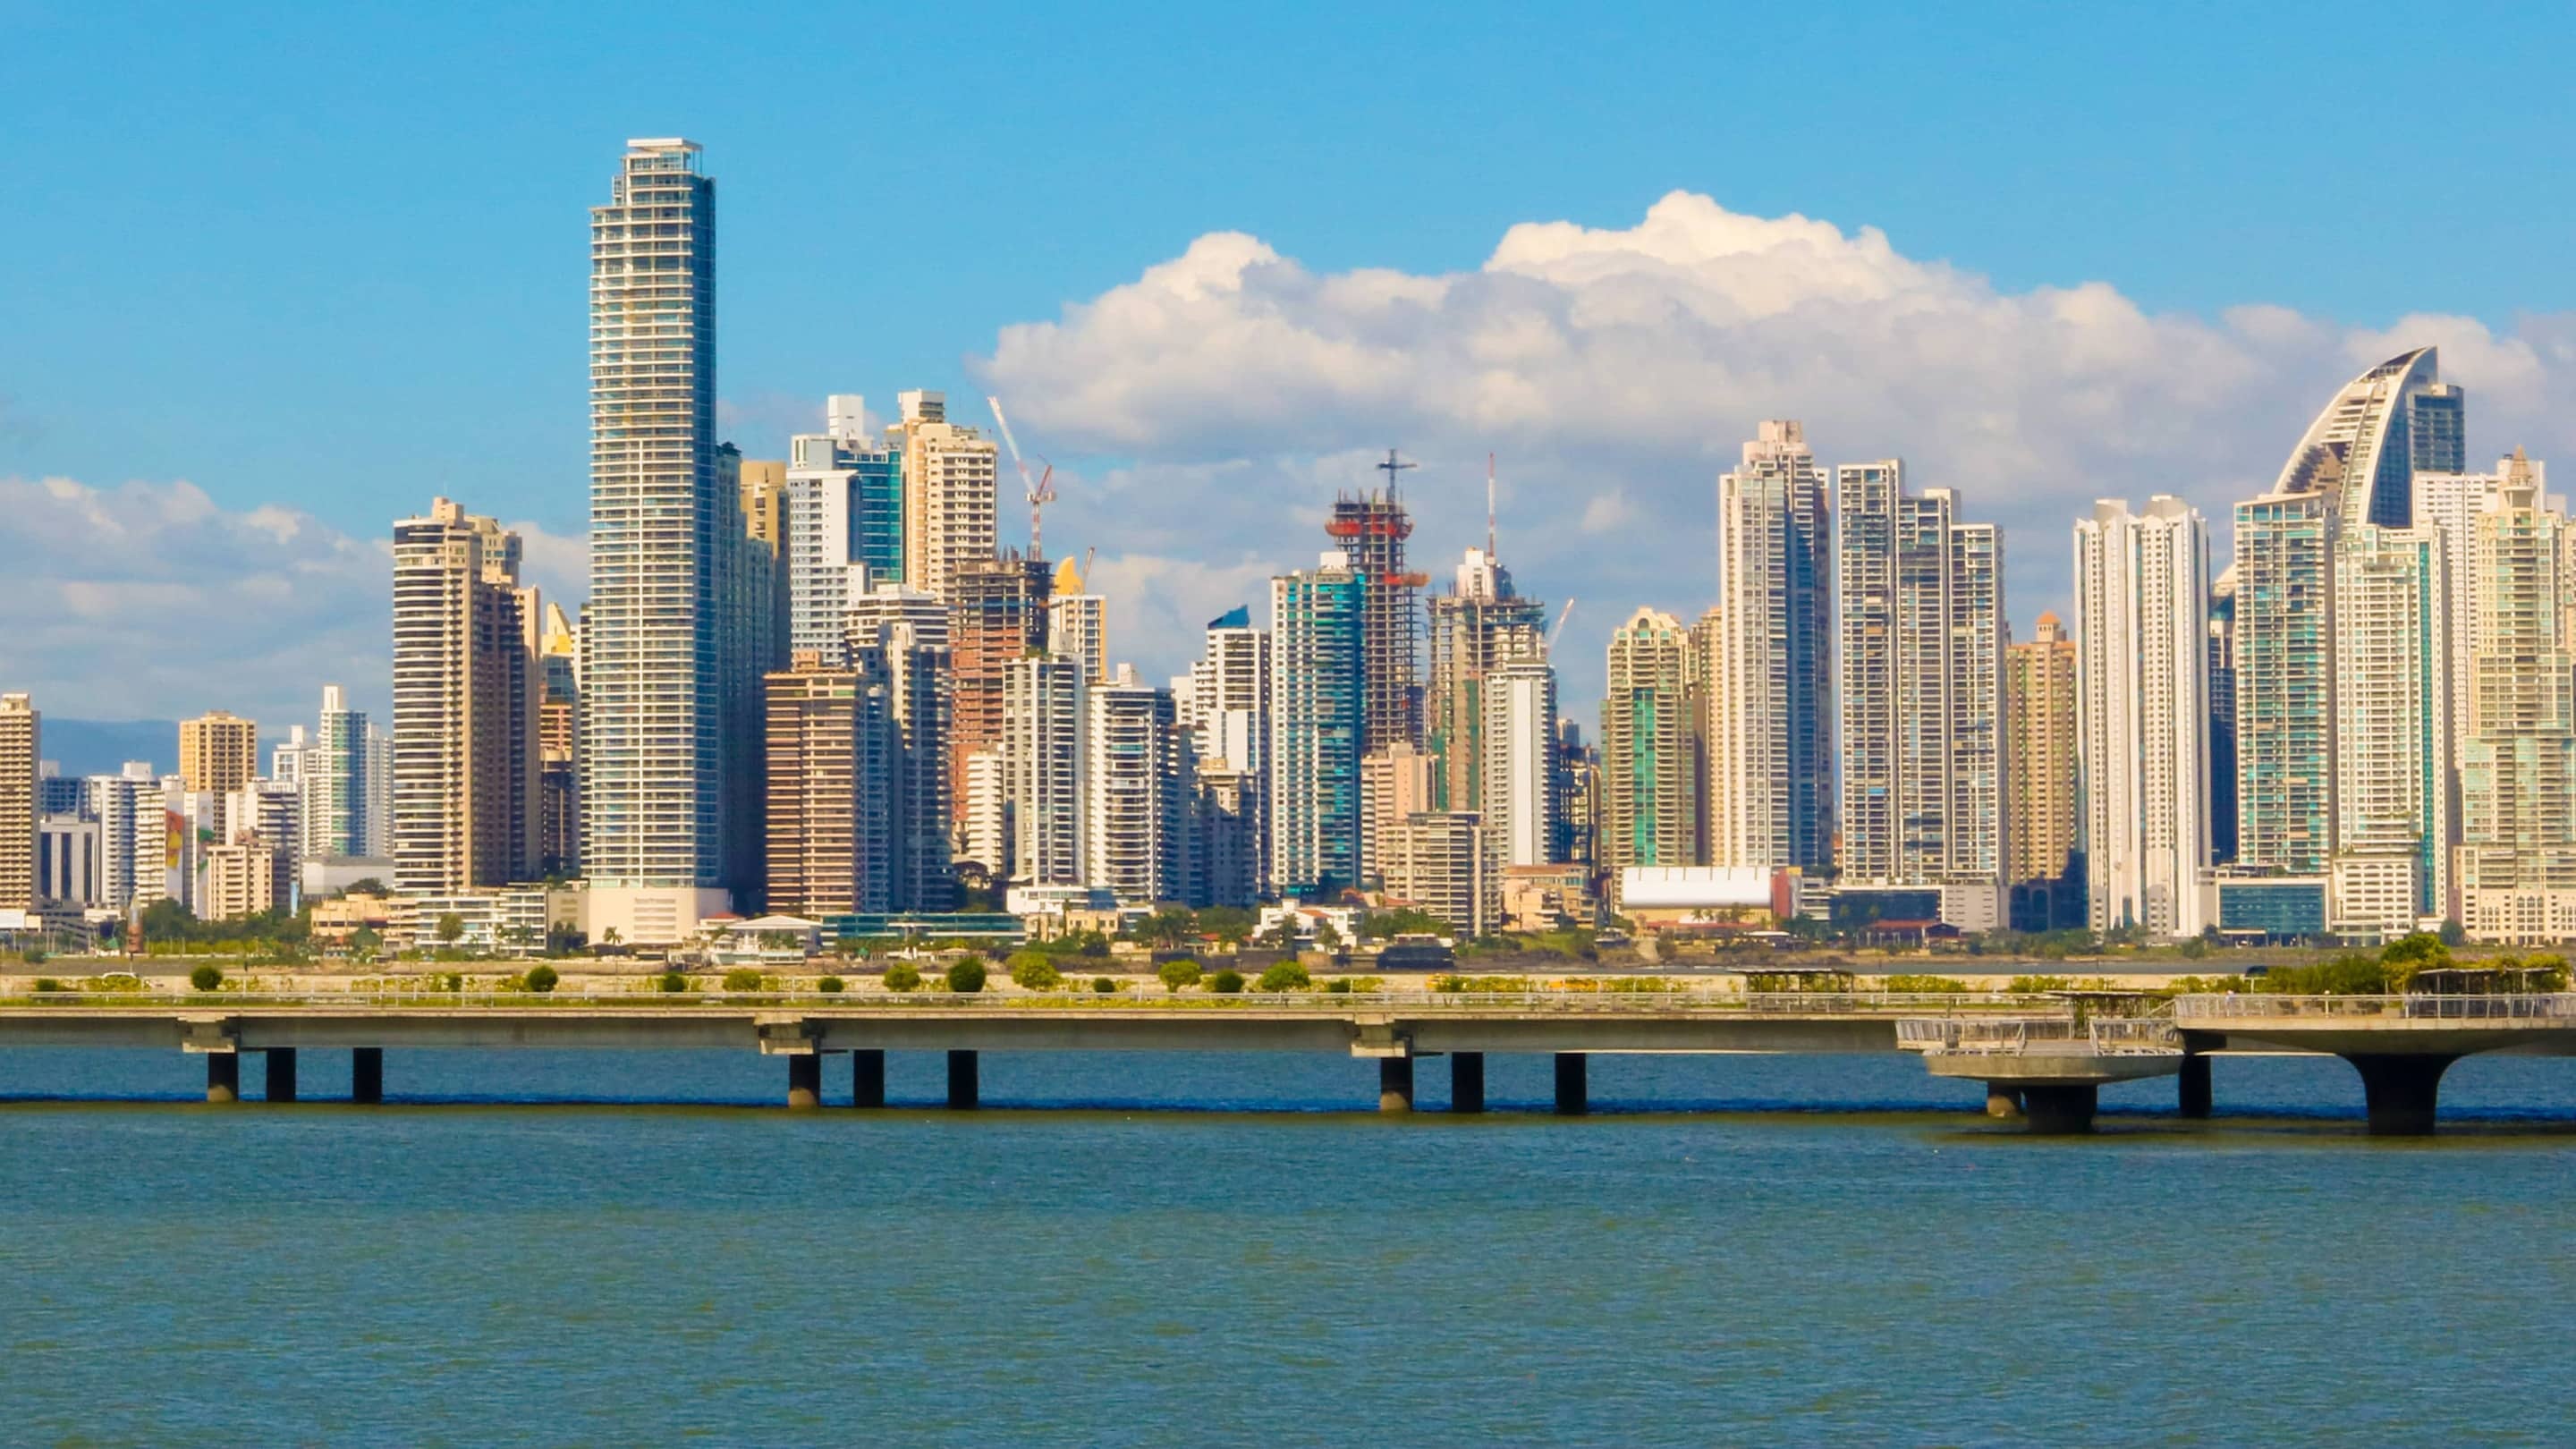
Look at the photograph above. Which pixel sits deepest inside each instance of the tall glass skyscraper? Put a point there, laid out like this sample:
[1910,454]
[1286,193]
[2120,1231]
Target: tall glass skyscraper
[844,506]
[1773,726]
[654,638]
[1318,715]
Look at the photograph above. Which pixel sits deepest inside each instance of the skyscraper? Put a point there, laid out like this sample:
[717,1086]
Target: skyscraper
[1139,778]
[1921,705]
[2284,633]
[2365,445]
[1773,722]
[830,842]
[1370,529]
[333,780]
[1319,715]
[20,743]
[906,631]
[1044,750]
[997,610]
[1078,624]
[467,688]
[1228,706]
[559,747]
[949,475]
[1647,774]
[2222,717]
[1519,785]
[218,751]
[2142,708]
[844,508]
[2517,856]
[2392,756]
[2451,503]
[1479,624]
[664,671]
[2042,794]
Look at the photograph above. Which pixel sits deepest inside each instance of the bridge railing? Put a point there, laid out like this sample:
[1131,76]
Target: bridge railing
[1687,999]
[2135,1036]
[1972,1036]
[2532,1006]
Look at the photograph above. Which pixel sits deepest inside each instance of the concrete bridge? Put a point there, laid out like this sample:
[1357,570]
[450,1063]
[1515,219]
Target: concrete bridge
[2038,1057]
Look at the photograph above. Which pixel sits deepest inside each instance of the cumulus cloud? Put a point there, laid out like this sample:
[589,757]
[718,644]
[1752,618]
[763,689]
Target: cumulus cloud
[1616,370]
[150,600]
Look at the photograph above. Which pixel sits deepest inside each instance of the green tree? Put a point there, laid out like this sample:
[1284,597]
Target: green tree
[671,981]
[831,986]
[451,928]
[1286,976]
[1229,924]
[1103,986]
[1326,936]
[206,977]
[1403,921]
[902,976]
[542,978]
[1169,927]
[1034,971]
[1228,982]
[966,975]
[742,978]
[1177,974]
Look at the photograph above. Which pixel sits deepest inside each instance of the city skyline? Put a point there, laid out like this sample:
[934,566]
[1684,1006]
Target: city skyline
[1205,366]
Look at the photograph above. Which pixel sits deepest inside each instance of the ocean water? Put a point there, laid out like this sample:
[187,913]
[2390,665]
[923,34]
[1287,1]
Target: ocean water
[621,1248]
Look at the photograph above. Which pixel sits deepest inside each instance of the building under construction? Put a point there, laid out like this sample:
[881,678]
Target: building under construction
[1371,529]
[997,612]
[1477,627]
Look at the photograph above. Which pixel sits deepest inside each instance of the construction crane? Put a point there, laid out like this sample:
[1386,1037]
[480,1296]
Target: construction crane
[1041,490]
[1559,627]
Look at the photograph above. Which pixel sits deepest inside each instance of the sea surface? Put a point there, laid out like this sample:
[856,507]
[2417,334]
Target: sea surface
[615,1248]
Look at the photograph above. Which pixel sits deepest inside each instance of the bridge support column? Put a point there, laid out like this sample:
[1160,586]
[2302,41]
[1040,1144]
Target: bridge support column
[2400,1091]
[1573,1089]
[367,1074]
[964,1090]
[805,1081]
[1466,1081]
[1395,1084]
[867,1078]
[223,1076]
[2193,1086]
[2060,1110]
[2003,1102]
[281,1074]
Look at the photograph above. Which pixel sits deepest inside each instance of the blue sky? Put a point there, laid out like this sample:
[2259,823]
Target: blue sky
[325,261]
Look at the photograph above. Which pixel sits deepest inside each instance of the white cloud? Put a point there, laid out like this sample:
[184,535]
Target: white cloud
[151,600]
[1617,369]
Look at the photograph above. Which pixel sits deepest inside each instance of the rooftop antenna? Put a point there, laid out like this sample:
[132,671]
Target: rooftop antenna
[1489,507]
[1393,466]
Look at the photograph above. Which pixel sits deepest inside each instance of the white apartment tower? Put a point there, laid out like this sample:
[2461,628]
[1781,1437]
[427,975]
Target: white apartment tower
[2394,823]
[843,524]
[2142,711]
[1519,774]
[1772,722]
[1228,708]
[1139,778]
[1044,751]
[1920,702]
[949,476]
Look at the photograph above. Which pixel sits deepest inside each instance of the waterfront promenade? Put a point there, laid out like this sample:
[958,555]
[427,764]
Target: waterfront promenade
[2042,1056]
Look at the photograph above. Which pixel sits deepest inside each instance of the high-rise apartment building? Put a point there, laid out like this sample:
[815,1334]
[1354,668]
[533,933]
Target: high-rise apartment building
[1139,781]
[1227,705]
[1370,529]
[949,475]
[467,688]
[1396,783]
[559,748]
[2393,756]
[1921,697]
[2142,710]
[2222,717]
[1044,751]
[127,807]
[2517,857]
[1078,624]
[676,634]
[20,743]
[1773,717]
[1480,624]
[997,610]
[905,632]
[2042,792]
[1648,773]
[1520,789]
[2372,435]
[829,850]
[2284,638]
[332,778]
[1442,862]
[2451,503]
[1318,719]
[843,524]
[218,751]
